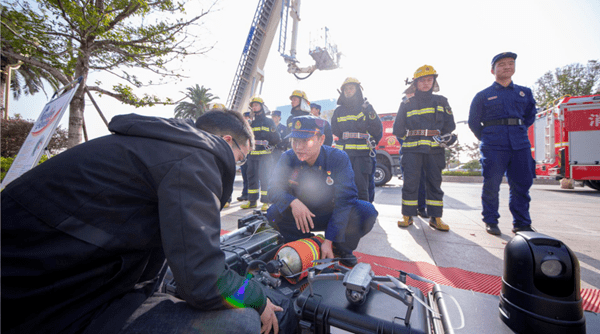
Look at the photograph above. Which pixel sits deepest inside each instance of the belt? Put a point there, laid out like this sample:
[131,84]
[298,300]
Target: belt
[357,135]
[261,142]
[503,121]
[428,133]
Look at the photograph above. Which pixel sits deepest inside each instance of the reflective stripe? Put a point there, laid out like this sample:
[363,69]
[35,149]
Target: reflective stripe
[356,135]
[263,192]
[260,152]
[261,142]
[410,203]
[424,142]
[339,146]
[261,128]
[356,147]
[351,117]
[252,191]
[440,108]
[420,112]
[434,203]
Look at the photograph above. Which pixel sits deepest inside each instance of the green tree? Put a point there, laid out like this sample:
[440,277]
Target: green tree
[200,99]
[72,39]
[574,79]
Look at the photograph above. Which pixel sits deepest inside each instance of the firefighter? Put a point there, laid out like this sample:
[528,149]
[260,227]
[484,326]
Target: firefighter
[300,107]
[260,161]
[421,120]
[282,130]
[244,167]
[313,190]
[499,118]
[315,110]
[359,129]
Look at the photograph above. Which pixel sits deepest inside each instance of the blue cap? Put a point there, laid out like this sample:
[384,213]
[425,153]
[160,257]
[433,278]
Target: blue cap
[276,113]
[314,105]
[306,126]
[503,55]
[247,114]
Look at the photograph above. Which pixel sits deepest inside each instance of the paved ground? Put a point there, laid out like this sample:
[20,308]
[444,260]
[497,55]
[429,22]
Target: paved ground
[572,216]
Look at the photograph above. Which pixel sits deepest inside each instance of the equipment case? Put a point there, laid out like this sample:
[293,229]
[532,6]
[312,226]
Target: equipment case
[328,309]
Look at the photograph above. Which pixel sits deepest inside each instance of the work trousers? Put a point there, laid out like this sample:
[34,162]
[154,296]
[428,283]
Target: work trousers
[244,170]
[360,222]
[363,172]
[413,165]
[516,164]
[258,174]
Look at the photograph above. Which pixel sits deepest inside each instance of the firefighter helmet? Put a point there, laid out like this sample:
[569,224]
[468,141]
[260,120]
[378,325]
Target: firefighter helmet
[217,106]
[300,94]
[257,99]
[351,80]
[424,71]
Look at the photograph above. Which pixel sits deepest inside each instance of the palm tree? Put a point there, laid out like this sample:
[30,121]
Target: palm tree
[200,99]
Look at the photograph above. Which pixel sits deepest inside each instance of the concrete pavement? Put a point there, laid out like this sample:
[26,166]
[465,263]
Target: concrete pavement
[572,216]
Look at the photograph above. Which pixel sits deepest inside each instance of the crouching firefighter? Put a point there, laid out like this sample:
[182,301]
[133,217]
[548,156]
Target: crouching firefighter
[425,123]
[313,190]
[260,162]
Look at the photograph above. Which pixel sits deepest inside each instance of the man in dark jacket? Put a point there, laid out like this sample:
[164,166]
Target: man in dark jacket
[359,129]
[420,120]
[260,162]
[282,130]
[313,189]
[499,118]
[85,235]
[315,110]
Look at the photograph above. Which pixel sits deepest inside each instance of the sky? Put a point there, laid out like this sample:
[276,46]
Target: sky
[383,43]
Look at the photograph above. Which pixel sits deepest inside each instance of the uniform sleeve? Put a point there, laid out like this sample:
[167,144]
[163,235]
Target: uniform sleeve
[529,117]
[374,126]
[399,128]
[280,192]
[345,193]
[449,124]
[475,114]
[335,126]
[189,213]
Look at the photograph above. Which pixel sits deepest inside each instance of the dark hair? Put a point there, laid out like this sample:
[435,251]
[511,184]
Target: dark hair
[226,122]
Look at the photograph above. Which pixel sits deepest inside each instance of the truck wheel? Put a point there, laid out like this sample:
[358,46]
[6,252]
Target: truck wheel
[382,175]
[594,184]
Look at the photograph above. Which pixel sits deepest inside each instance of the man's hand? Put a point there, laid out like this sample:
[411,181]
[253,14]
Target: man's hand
[268,318]
[302,216]
[327,250]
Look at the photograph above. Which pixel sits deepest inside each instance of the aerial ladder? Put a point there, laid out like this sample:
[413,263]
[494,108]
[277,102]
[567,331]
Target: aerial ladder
[270,14]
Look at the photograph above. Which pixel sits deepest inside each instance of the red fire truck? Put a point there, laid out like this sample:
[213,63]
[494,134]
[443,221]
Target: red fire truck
[388,152]
[565,140]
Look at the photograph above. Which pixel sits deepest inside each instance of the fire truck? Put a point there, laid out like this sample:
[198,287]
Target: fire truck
[388,152]
[565,140]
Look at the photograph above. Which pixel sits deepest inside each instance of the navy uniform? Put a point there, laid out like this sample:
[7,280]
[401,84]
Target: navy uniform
[260,162]
[244,167]
[327,188]
[282,130]
[359,129]
[419,119]
[499,118]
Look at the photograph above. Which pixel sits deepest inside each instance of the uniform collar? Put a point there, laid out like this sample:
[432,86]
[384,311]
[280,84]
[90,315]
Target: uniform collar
[496,85]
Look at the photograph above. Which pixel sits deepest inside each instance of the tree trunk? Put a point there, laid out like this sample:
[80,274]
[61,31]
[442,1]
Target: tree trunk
[77,106]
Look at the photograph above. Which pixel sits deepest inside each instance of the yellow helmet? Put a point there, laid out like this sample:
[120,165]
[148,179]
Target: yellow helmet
[257,99]
[218,106]
[351,80]
[424,71]
[300,94]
